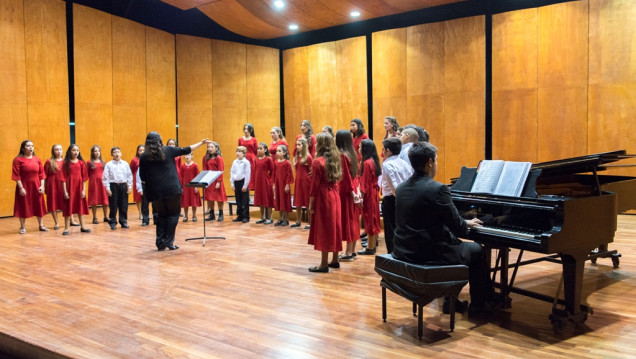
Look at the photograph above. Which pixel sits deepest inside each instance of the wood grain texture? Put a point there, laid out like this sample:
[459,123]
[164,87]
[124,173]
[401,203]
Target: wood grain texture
[425,59]
[296,87]
[514,125]
[351,84]
[464,58]
[263,90]
[77,297]
[161,88]
[464,133]
[322,68]
[428,111]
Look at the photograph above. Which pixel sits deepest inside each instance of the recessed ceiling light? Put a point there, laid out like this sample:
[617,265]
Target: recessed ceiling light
[293,27]
[355,13]
[279,4]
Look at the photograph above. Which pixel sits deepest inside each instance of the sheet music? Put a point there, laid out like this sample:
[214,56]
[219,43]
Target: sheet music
[204,178]
[487,176]
[513,178]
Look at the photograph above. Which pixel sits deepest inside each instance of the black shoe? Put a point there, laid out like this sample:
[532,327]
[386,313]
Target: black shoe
[210,217]
[172,247]
[260,221]
[113,227]
[486,307]
[220,219]
[297,224]
[185,219]
[85,230]
[95,221]
[460,306]
[307,227]
[366,252]
[319,270]
[278,223]
[143,224]
[194,219]
[285,223]
[105,220]
[268,221]
[161,249]
[75,224]
[246,220]
[334,265]
[125,225]
[237,219]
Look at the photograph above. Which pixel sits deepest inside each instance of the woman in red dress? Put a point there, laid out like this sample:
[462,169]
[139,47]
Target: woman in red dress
[369,187]
[190,196]
[75,175]
[134,165]
[96,191]
[263,193]
[277,139]
[307,132]
[302,164]
[212,161]
[325,233]
[391,127]
[357,130]
[349,191]
[251,144]
[283,178]
[53,187]
[28,174]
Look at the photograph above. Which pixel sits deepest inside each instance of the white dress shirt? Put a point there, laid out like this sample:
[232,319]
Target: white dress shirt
[117,172]
[394,171]
[404,153]
[241,169]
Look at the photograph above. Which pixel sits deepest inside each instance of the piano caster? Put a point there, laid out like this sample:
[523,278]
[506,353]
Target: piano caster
[560,318]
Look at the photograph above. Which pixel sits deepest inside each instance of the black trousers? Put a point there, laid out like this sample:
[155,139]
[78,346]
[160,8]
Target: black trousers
[118,201]
[242,200]
[166,218]
[145,214]
[388,216]
[473,255]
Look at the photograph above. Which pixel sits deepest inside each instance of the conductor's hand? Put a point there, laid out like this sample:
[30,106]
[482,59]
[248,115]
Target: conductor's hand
[475,222]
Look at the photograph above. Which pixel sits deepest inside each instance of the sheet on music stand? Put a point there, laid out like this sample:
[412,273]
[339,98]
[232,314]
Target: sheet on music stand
[204,179]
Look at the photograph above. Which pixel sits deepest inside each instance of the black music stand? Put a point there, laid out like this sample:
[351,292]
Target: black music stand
[203,180]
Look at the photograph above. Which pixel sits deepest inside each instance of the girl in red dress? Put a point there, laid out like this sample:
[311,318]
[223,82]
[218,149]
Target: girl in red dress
[283,177]
[54,177]
[249,142]
[134,165]
[263,193]
[75,175]
[302,163]
[325,233]
[96,191]
[357,130]
[190,196]
[212,161]
[277,139]
[28,174]
[391,127]
[369,187]
[348,190]
[307,132]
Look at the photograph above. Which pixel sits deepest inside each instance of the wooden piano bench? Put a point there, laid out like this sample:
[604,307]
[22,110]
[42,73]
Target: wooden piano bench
[420,284]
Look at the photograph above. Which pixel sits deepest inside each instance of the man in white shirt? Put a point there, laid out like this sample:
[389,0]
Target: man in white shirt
[240,179]
[409,136]
[117,179]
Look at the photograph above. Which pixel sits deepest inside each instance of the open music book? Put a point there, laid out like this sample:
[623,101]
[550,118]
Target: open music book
[504,178]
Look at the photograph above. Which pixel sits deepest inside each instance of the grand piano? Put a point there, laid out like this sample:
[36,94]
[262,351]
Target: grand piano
[564,212]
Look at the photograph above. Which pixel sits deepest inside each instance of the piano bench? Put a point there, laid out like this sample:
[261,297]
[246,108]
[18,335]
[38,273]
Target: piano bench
[420,284]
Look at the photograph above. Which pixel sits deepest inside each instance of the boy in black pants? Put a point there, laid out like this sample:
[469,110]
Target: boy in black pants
[117,179]
[240,179]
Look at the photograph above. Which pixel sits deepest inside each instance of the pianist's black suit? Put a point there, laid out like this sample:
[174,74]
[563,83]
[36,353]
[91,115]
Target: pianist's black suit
[427,226]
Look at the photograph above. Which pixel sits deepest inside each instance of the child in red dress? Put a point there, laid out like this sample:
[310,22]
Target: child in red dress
[134,165]
[53,187]
[283,177]
[325,233]
[251,144]
[75,175]
[190,196]
[263,193]
[307,132]
[28,174]
[349,191]
[96,191]
[369,187]
[302,163]
[212,161]
[277,139]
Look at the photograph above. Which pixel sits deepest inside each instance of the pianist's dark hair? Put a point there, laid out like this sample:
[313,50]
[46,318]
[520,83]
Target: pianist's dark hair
[420,153]
[154,147]
[393,144]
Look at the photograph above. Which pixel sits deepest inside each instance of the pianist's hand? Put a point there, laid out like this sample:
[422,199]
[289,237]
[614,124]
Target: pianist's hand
[475,222]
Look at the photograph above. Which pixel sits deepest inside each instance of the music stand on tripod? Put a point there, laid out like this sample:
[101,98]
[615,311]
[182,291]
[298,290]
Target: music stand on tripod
[203,180]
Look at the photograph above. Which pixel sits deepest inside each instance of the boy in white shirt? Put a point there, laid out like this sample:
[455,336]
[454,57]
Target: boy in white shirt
[240,179]
[117,179]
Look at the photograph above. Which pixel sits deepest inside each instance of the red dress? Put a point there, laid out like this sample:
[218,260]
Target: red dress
[252,149]
[325,232]
[371,203]
[356,145]
[274,145]
[74,179]
[348,215]
[311,146]
[302,184]
[212,193]
[134,165]
[189,198]
[30,172]
[263,193]
[96,190]
[53,187]
[282,176]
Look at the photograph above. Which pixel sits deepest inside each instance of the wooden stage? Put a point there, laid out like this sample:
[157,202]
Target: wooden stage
[111,294]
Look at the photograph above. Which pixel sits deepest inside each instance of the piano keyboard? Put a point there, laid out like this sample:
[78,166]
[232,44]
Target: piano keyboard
[503,232]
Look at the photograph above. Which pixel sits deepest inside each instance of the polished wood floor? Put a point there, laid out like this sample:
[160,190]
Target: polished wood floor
[110,294]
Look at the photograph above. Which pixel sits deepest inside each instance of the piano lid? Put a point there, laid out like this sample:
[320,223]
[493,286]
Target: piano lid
[580,164]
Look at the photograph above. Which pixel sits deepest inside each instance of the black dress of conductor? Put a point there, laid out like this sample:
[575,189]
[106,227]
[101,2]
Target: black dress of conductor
[158,173]
[428,223]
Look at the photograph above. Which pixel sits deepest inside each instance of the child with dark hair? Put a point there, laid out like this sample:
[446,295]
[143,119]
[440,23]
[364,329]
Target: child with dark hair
[118,180]
[263,177]
[75,175]
[283,178]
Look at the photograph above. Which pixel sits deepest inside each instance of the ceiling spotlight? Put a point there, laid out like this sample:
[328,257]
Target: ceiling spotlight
[293,27]
[279,4]
[355,13]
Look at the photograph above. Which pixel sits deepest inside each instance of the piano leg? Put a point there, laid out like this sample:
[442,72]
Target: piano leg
[573,267]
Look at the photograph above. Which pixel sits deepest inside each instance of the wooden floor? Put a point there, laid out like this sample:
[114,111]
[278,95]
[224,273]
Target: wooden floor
[110,294]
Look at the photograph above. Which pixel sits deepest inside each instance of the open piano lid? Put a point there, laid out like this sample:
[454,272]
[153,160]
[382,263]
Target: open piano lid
[580,164]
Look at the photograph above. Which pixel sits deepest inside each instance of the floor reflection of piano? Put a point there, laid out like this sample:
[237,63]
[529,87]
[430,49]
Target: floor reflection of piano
[560,213]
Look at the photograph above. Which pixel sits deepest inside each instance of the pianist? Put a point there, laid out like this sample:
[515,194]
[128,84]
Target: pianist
[428,224]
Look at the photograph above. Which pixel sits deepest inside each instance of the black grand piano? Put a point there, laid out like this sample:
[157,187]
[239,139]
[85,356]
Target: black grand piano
[564,212]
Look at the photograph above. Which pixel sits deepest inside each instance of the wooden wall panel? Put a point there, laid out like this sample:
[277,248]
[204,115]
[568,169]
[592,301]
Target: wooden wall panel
[92,34]
[562,126]
[194,90]
[514,125]
[464,43]
[263,91]
[322,66]
[464,138]
[296,88]
[351,84]
[161,87]
[129,85]
[428,111]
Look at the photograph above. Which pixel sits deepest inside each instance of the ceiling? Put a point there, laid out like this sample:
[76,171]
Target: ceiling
[261,20]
